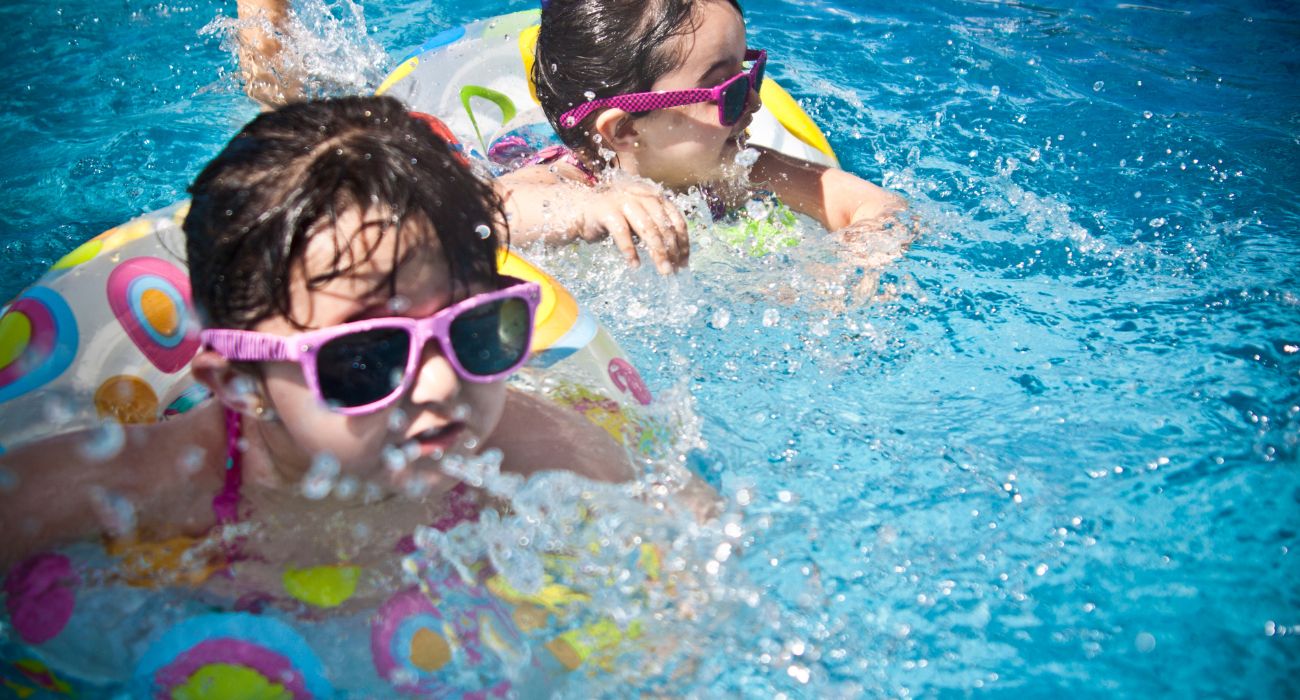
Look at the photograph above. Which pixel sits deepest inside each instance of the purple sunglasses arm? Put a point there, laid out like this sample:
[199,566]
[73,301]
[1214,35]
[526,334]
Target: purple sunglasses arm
[661,99]
[638,102]
[247,346]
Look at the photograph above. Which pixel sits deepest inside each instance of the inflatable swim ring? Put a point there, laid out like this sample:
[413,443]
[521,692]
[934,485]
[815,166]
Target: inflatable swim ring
[477,79]
[106,335]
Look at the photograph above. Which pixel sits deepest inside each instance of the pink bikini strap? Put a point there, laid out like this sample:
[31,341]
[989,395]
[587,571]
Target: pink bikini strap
[562,153]
[225,505]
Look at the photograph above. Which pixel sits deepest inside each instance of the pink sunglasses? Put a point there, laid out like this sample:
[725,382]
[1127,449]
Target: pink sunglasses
[732,96]
[365,366]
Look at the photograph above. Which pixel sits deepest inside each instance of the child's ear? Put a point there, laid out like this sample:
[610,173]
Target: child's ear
[233,388]
[617,130]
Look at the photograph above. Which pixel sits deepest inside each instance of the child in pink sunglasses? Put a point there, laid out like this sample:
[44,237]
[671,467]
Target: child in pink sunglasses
[343,263]
[660,89]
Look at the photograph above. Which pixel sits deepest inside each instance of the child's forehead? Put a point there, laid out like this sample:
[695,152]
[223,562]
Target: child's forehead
[369,240]
[364,250]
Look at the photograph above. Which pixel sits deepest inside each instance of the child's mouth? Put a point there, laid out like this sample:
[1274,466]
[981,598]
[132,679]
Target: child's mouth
[435,442]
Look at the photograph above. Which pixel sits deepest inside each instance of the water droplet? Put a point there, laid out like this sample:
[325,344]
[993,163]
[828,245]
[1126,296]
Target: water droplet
[1156,222]
[721,319]
[1098,86]
[115,512]
[461,412]
[347,488]
[394,458]
[397,421]
[243,387]
[104,441]
[415,488]
[995,91]
[320,478]
[58,408]
[771,317]
[483,231]
[399,304]
[589,95]
[191,460]
[746,157]
[1145,642]
[758,209]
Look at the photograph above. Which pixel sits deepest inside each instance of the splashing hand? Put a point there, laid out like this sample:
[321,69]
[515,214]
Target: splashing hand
[632,212]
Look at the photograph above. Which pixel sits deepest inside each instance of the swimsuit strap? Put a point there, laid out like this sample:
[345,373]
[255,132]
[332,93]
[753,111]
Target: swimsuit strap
[225,505]
[562,153]
[717,209]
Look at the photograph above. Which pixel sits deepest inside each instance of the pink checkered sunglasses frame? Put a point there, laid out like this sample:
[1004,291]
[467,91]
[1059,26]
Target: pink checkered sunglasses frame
[663,99]
[304,348]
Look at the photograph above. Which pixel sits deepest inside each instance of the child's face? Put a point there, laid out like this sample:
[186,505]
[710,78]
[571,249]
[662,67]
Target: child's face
[440,414]
[685,146]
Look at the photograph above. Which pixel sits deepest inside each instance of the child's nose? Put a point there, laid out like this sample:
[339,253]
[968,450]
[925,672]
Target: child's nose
[435,379]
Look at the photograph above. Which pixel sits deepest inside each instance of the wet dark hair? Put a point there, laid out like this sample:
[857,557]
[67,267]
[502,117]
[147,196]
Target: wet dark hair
[607,48]
[290,172]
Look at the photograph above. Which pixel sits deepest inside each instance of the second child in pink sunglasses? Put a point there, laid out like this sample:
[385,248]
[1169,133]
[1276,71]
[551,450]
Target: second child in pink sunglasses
[659,86]
[652,88]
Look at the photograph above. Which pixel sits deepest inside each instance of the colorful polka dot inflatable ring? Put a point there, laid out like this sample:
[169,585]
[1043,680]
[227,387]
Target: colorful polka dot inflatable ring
[231,655]
[449,640]
[106,334]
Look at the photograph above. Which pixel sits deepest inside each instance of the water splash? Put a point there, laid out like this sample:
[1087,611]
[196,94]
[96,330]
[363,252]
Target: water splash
[103,442]
[322,477]
[325,49]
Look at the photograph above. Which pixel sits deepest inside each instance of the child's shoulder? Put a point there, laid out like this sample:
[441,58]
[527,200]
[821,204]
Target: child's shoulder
[536,435]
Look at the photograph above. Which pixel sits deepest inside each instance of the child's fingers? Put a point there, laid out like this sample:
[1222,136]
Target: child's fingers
[616,225]
[645,225]
[676,227]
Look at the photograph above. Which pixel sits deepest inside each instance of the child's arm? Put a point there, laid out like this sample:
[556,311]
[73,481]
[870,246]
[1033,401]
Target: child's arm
[832,196]
[265,80]
[60,493]
[552,203]
[537,435]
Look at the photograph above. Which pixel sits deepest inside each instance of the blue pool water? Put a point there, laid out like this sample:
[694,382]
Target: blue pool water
[1055,451]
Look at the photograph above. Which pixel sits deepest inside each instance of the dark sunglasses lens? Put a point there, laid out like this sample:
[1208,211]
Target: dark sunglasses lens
[361,368]
[758,77]
[492,338]
[734,100]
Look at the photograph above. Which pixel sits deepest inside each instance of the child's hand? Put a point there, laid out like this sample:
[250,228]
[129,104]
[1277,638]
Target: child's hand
[637,212]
